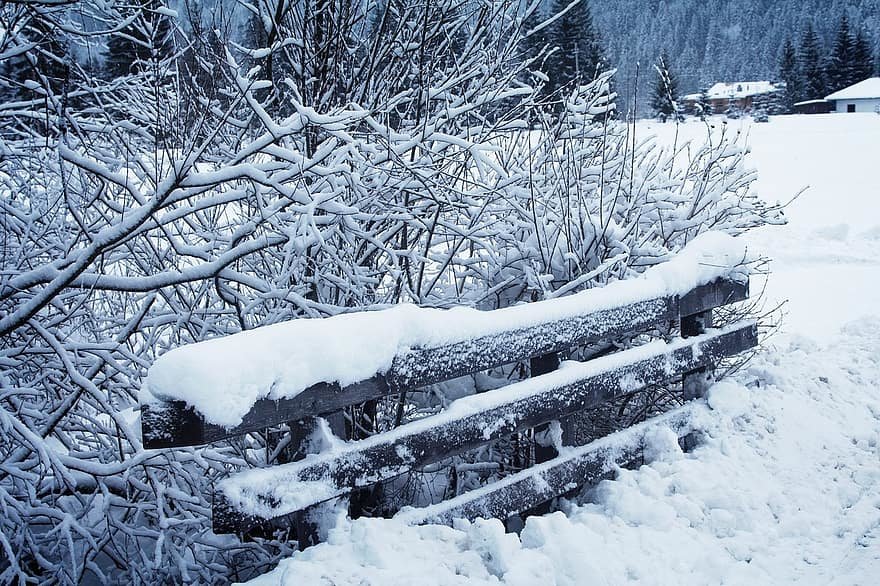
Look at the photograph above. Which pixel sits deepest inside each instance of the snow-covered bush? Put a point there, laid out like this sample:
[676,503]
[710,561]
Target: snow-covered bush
[397,161]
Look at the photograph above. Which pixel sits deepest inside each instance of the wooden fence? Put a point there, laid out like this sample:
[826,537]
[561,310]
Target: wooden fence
[260,499]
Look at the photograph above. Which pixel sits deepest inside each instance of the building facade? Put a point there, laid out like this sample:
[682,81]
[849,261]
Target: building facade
[861,97]
[738,96]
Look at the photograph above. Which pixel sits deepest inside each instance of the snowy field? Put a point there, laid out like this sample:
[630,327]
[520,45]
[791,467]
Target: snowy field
[786,486]
[825,262]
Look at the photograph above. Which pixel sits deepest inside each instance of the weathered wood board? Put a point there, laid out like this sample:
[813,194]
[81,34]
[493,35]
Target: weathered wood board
[382,457]
[174,424]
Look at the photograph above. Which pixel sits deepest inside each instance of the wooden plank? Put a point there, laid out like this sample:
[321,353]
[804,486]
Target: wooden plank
[543,399]
[423,366]
[578,466]
[174,424]
[300,526]
[716,294]
[228,520]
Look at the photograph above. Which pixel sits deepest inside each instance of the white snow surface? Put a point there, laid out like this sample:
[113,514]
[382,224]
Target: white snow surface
[825,264]
[868,88]
[222,378]
[786,486]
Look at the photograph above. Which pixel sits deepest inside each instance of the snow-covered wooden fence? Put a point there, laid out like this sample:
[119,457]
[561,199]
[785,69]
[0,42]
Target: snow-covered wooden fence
[174,424]
[264,497]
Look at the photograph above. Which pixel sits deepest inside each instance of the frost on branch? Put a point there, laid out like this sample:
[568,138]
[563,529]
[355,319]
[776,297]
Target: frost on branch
[337,156]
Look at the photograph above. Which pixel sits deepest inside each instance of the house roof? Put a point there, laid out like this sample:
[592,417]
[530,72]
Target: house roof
[736,89]
[805,102]
[869,88]
[741,89]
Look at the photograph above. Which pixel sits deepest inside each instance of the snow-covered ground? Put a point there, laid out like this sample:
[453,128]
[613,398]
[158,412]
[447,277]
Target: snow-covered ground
[826,261]
[786,486]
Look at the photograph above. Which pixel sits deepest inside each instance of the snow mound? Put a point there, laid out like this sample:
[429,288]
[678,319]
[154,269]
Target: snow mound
[729,398]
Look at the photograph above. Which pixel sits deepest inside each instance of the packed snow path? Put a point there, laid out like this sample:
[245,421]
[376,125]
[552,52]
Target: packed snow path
[785,487]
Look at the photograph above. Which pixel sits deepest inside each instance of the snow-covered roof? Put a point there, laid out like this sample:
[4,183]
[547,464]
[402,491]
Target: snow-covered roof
[741,89]
[735,89]
[869,88]
[805,102]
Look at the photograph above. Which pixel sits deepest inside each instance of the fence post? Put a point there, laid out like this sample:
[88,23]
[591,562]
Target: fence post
[544,451]
[538,366]
[308,523]
[696,382]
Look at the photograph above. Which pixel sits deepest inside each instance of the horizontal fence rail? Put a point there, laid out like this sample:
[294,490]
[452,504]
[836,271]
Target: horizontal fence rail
[471,422]
[575,467]
[289,496]
[175,424]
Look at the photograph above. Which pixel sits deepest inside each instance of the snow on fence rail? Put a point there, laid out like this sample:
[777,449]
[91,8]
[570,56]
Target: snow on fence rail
[175,424]
[476,420]
[445,345]
[574,467]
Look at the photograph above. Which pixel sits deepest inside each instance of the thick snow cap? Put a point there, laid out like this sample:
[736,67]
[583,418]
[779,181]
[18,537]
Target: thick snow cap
[222,378]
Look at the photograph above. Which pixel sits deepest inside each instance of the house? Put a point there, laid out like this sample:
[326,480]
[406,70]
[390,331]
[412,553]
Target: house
[861,97]
[813,107]
[739,96]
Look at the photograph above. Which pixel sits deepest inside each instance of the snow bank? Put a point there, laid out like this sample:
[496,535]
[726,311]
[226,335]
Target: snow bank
[785,488]
[222,378]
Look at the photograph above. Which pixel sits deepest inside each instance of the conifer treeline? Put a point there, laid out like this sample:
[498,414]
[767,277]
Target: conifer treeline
[715,40]
[145,40]
[569,45]
[811,75]
[560,34]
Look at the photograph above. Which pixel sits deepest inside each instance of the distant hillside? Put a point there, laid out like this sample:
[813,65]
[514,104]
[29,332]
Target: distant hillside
[715,40]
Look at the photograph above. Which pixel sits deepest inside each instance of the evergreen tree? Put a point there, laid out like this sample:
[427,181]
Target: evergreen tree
[580,54]
[574,51]
[840,70]
[790,74]
[769,103]
[46,63]
[664,98]
[536,45]
[259,31]
[863,61]
[146,40]
[776,101]
[732,111]
[810,65]
[200,67]
[703,107]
